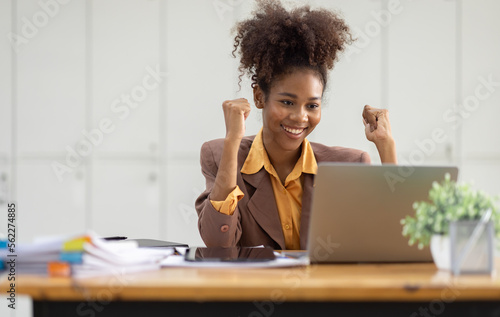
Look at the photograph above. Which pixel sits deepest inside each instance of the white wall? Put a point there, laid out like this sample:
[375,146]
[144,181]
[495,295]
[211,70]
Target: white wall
[142,178]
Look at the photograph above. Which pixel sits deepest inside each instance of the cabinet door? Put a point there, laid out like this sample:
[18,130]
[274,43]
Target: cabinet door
[5,81]
[201,73]
[355,80]
[479,108]
[51,76]
[125,195]
[5,188]
[184,184]
[47,206]
[482,173]
[480,97]
[230,12]
[124,74]
[422,80]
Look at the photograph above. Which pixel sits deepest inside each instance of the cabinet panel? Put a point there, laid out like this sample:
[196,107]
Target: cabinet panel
[47,206]
[356,78]
[480,103]
[422,60]
[125,199]
[5,181]
[125,76]
[5,80]
[51,76]
[482,174]
[240,10]
[201,73]
[184,184]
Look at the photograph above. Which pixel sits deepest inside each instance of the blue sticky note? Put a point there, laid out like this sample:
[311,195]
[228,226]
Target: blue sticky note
[71,257]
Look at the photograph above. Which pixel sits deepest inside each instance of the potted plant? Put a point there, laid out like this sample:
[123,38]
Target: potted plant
[449,201]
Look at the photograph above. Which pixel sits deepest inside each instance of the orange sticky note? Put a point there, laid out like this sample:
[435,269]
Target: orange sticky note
[59,269]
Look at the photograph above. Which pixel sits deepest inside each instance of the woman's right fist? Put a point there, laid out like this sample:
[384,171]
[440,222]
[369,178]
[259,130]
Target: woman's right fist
[235,113]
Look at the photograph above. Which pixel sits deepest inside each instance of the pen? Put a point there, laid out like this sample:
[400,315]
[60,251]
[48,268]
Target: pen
[115,238]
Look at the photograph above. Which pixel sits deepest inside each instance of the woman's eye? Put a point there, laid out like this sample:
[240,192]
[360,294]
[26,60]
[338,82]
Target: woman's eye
[313,106]
[287,102]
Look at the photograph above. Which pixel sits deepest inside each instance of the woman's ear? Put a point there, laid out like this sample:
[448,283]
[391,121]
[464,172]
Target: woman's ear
[258,97]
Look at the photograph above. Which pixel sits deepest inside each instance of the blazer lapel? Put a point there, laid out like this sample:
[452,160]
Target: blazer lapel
[262,205]
[306,209]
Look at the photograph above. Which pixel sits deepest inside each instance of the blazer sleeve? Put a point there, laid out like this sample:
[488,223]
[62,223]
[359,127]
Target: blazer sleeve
[216,229]
[365,158]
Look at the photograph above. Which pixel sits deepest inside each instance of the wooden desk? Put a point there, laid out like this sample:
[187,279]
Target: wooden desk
[391,289]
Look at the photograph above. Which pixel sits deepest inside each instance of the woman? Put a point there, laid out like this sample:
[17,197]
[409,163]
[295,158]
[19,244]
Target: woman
[258,188]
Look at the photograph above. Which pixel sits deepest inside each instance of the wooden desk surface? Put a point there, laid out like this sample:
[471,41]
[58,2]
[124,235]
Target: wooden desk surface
[345,282]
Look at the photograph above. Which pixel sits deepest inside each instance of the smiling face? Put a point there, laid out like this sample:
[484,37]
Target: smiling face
[292,110]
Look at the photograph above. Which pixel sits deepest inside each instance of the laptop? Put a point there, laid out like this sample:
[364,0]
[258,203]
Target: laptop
[357,210]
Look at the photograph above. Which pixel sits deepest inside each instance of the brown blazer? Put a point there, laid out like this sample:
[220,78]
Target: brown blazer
[256,220]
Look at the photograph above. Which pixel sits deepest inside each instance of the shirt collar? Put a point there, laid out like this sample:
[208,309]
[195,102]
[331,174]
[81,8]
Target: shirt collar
[258,158]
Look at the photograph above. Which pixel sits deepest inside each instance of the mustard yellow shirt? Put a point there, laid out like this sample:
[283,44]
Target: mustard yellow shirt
[288,196]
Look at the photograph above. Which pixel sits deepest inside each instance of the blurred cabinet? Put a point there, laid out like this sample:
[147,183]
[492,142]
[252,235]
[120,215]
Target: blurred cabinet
[125,199]
[5,177]
[47,206]
[51,77]
[184,184]
[355,80]
[201,72]
[480,96]
[5,111]
[49,117]
[422,80]
[125,74]
[483,174]
[5,81]
[201,75]
[479,108]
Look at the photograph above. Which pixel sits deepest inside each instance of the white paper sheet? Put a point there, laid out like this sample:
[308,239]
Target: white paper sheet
[178,261]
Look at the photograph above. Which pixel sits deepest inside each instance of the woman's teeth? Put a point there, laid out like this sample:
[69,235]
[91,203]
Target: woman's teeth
[293,131]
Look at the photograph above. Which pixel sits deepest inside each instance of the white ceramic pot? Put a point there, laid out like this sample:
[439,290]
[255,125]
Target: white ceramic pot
[441,252]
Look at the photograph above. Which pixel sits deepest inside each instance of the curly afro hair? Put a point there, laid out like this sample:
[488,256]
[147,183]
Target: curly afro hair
[275,42]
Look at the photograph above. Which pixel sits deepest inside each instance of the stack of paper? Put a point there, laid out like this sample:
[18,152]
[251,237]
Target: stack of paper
[83,256]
